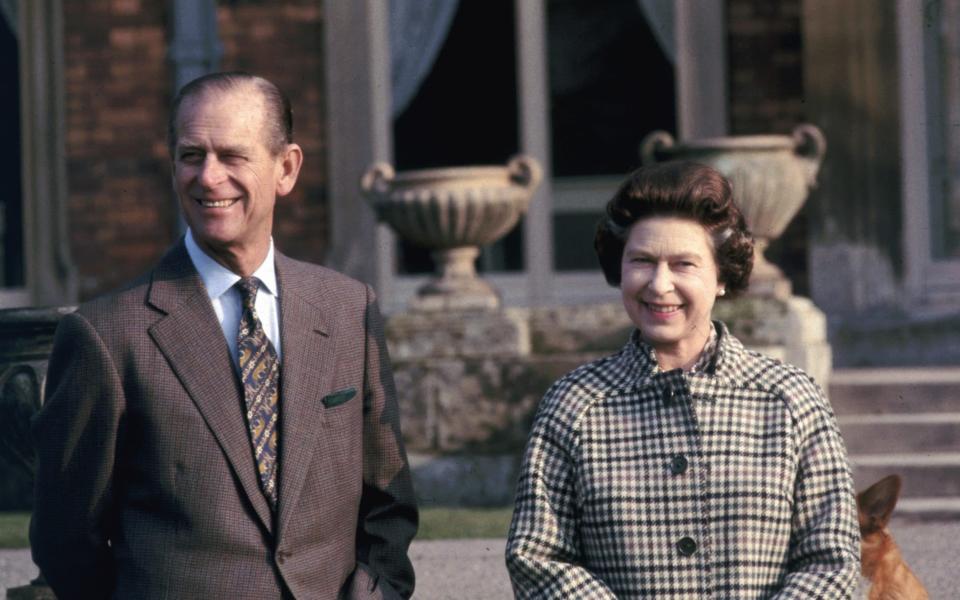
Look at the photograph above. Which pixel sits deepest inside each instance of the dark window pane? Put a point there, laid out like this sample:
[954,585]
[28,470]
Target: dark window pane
[466,109]
[11,200]
[610,84]
[573,241]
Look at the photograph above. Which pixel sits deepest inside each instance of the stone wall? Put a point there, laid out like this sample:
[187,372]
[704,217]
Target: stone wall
[283,41]
[765,62]
[120,205]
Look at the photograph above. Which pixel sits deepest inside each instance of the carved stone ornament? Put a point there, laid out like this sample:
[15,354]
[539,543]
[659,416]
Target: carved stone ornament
[771,176]
[453,212]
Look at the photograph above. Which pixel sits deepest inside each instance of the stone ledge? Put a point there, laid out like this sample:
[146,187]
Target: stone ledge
[461,334]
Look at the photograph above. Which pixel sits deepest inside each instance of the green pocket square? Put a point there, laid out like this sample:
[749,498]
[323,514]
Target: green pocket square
[339,397]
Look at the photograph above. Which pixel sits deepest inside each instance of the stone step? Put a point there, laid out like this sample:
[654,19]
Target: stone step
[932,475]
[895,390]
[928,508]
[901,433]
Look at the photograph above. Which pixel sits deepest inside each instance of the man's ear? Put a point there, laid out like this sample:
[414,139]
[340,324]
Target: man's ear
[290,161]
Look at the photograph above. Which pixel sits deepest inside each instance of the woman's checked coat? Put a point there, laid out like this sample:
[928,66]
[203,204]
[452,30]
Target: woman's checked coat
[731,482]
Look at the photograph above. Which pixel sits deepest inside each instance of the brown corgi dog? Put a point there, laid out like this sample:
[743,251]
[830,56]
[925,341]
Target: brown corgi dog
[880,559]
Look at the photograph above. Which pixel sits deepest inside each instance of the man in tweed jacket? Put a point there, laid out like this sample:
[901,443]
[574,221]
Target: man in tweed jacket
[147,484]
[684,466]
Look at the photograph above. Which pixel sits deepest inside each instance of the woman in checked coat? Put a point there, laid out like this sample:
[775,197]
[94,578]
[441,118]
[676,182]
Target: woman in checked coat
[684,466]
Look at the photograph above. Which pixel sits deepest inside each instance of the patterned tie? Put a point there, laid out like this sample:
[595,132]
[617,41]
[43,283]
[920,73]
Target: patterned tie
[260,373]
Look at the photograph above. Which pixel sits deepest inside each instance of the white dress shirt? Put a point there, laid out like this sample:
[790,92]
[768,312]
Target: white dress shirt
[225,298]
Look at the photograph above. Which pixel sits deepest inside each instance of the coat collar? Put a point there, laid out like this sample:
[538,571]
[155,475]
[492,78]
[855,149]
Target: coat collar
[640,368]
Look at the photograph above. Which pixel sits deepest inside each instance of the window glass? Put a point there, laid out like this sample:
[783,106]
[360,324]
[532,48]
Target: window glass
[11,200]
[610,85]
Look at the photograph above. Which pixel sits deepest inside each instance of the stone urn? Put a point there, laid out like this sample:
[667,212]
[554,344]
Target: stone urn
[771,176]
[453,212]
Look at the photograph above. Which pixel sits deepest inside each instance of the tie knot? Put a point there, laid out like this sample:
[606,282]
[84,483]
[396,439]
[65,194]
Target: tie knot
[248,290]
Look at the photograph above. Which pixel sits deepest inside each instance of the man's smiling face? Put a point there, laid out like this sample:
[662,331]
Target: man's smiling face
[224,175]
[669,284]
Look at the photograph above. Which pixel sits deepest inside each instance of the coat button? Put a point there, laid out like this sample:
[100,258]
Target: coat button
[687,546]
[668,396]
[281,556]
[678,464]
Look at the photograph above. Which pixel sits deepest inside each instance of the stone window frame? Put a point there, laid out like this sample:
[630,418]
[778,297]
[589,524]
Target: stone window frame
[927,281]
[359,133]
[50,278]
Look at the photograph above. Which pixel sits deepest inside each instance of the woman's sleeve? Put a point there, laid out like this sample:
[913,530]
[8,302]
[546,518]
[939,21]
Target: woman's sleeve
[543,547]
[824,557]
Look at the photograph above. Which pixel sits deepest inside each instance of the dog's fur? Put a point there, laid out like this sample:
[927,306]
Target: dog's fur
[881,562]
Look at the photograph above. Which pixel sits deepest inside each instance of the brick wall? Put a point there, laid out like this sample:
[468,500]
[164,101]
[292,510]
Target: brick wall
[118,85]
[765,52]
[765,62]
[121,207]
[283,41]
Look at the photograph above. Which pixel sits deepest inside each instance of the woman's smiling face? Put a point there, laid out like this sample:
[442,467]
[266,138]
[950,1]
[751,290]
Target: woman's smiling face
[669,285]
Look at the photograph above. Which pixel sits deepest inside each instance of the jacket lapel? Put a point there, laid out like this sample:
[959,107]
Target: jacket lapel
[191,339]
[306,371]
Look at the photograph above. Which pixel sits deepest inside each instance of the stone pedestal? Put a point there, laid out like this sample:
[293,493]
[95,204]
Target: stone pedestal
[467,389]
[791,329]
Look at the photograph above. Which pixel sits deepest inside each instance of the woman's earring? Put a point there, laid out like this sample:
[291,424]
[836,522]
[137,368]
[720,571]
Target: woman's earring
[722,292]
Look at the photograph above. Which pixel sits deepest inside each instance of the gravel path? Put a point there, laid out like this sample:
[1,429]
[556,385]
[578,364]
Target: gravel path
[474,569]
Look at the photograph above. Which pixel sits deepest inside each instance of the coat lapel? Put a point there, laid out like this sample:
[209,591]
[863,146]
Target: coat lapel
[191,339]
[306,371]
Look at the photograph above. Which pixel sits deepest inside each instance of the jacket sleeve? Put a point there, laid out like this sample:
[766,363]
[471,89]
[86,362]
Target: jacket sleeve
[75,434]
[388,514]
[543,547]
[824,556]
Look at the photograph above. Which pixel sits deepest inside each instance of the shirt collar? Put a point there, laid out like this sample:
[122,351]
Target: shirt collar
[218,279]
[644,358]
[648,354]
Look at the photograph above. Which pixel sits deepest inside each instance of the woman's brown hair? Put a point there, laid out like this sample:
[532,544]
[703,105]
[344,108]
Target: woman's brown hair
[679,189]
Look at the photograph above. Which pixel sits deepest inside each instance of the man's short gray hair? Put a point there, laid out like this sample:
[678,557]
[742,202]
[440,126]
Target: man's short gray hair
[278,120]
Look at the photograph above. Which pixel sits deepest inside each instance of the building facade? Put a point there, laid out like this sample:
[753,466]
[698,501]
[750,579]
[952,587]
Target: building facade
[574,83]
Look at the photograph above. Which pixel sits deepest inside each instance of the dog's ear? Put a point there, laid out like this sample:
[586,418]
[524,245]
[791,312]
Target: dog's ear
[876,503]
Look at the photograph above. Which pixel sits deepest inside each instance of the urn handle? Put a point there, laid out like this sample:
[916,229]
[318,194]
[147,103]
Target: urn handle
[525,171]
[810,146]
[654,143]
[376,180]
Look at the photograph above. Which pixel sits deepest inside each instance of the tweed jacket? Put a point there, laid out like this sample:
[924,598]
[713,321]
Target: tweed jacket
[146,485]
[732,482]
